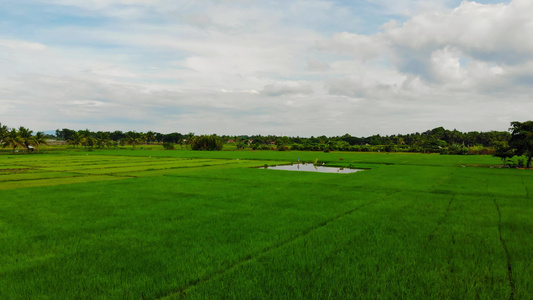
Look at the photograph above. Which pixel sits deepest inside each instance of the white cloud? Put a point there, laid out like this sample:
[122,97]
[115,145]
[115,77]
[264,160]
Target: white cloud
[317,65]
[361,47]
[497,33]
[21,45]
[298,67]
[446,65]
[410,7]
[102,4]
[287,88]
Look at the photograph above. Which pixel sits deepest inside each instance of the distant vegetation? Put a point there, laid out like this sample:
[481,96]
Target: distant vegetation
[502,144]
[208,142]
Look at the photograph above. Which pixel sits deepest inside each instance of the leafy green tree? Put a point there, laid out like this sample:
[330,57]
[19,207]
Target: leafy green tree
[134,138]
[39,139]
[241,144]
[3,132]
[13,140]
[168,146]
[149,136]
[64,134]
[207,142]
[503,151]
[281,143]
[89,142]
[522,139]
[75,139]
[190,139]
[117,135]
[103,139]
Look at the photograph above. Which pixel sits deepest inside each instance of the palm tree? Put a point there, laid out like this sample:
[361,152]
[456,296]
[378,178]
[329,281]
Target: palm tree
[104,139]
[3,132]
[13,140]
[39,139]
[75,139]
[89,142]
[149,136]
[134,138]
[190,138]
[26,136]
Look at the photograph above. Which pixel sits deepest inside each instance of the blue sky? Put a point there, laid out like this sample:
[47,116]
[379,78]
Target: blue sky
[297,67]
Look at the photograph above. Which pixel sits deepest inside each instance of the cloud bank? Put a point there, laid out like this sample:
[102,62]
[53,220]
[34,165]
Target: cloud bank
[247,67]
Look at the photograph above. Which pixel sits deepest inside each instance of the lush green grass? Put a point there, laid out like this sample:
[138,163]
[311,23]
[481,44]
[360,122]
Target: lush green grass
[185,224]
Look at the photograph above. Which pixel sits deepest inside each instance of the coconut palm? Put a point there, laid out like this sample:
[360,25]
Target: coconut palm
[13,140]
[39,139]
[75,139]
[103,139]
[190,138]
[149,136]
[134,138]
[3,132]
[89,142]
[26,136]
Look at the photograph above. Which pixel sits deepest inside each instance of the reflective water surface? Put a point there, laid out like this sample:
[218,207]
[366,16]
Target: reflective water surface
[312,168]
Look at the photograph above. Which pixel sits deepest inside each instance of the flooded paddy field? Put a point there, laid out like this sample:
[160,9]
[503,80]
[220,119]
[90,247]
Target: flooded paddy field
[313,168]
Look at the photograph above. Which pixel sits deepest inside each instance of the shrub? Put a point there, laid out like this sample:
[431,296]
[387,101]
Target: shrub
[295,147]
[168,146]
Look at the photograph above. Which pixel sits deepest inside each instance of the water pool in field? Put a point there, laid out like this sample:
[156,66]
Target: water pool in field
[312,168]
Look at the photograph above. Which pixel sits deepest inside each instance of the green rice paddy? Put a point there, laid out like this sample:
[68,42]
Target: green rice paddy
[155,224]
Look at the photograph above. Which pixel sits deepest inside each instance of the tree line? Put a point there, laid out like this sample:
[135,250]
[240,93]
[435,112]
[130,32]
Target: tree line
[519,144]
[504,144]
[437,140]
[21,137]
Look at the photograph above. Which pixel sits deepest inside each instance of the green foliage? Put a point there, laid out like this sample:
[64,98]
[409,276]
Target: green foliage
[456,149]
[134,138]
[168,146]
[281,144]
[88,142]
[149,136]
[241,145]
[503,151]
[437,140]
[3,131]
[103,139]
[39,139]
[207,143]
[12,139]
[75,138]
[26,136]
[522,139]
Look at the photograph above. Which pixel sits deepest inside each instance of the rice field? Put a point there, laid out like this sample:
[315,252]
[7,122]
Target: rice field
[196,225]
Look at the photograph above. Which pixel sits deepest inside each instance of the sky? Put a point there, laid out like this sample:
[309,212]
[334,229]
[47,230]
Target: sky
[244,67]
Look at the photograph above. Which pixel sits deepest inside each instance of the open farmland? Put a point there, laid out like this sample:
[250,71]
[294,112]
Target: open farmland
[196,225]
